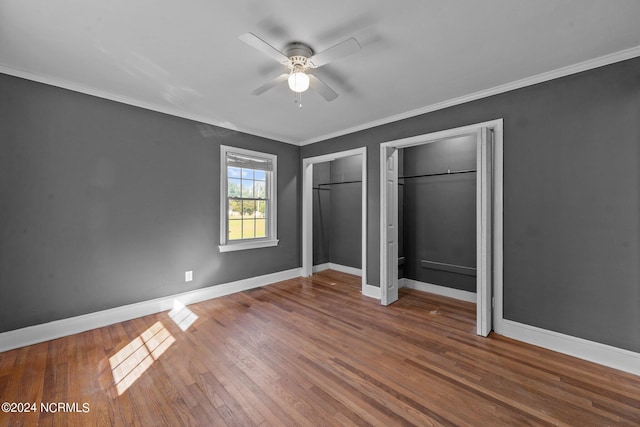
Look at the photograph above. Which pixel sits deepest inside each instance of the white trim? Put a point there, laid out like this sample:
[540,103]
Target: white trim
[498,226]
[345,269]
[443,134]
[592,351]
[337,267]
[248,245]
[334,156]
[438,290]
[307,208]
[307,219]
[363,228]
[590,64]
[320,267]
[371,291]
[73,325]
[484,222]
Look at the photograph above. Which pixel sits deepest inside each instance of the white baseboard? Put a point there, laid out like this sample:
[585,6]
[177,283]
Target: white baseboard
[602,354]
[320,267]
[345,269]
[337,267]
[73,325]
[371,291]
[438,290]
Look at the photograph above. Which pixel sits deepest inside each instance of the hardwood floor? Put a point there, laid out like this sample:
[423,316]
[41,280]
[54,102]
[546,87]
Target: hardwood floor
[310,352]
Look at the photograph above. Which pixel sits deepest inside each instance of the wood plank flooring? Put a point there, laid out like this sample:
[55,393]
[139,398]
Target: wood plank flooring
[311,352]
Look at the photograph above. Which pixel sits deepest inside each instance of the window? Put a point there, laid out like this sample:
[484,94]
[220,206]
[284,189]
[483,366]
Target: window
[247,199]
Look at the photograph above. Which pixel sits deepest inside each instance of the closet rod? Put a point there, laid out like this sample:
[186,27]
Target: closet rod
[449,172]
[333,183]
[336,183]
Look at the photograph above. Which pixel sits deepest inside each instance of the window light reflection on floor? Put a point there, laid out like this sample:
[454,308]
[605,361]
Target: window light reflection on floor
[182,316]
[128,364]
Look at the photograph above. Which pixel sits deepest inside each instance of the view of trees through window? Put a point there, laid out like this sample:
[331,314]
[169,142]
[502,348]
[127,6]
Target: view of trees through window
[247,202]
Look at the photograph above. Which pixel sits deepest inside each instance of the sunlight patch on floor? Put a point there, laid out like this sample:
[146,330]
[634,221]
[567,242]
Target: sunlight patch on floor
[182,316]
[128,364]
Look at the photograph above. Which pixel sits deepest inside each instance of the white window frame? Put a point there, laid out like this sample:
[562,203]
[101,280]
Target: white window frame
[272,233]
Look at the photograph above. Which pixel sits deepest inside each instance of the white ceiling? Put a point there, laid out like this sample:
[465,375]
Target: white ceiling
[184,57]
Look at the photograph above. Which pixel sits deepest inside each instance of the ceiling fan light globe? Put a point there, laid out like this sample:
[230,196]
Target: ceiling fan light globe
[298,82]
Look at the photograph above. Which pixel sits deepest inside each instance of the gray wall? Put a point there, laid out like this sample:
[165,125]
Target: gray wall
[346,212]
[571,198]
[337,217]
[439,212]
[103,204]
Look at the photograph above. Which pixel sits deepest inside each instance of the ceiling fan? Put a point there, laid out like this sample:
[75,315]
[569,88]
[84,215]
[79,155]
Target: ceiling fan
[300,58]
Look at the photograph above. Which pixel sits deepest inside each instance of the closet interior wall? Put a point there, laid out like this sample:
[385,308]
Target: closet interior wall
[337,217]
[437,212]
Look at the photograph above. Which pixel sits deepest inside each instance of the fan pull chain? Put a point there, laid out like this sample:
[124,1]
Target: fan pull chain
[297,99]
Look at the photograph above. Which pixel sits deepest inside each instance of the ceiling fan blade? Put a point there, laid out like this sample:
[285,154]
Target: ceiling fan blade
[338,51]
[264,47]
[270,84]
[321,87]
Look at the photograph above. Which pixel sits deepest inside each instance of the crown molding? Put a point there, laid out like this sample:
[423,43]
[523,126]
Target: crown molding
[540,78]
[518,84]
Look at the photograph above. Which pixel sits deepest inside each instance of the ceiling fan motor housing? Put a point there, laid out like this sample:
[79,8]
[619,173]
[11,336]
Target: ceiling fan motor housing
[298,53]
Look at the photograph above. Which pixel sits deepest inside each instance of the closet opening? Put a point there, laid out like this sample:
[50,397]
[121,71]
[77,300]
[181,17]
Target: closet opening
[334,213]
[441,218]
[437,217]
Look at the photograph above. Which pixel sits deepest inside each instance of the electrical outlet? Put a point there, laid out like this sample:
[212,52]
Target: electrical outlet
[188,276]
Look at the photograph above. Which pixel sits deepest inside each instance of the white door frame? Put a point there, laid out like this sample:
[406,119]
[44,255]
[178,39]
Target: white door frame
[496,257]
[307,208]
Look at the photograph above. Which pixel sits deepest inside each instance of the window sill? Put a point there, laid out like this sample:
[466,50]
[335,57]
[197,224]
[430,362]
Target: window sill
[248,245]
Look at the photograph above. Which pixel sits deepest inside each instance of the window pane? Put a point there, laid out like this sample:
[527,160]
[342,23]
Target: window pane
[248,208]
[233,172]
[247,188]
[260,175]
[234,187]
[248,231]
[261,228]
[260,190]
[235,229]
[235,208]
[247,173]
[261,209]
